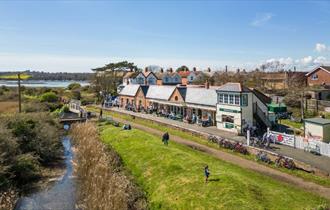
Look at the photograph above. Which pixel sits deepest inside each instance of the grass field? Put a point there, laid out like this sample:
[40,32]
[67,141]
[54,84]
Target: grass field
[173,177]
[306,176]
[14,76]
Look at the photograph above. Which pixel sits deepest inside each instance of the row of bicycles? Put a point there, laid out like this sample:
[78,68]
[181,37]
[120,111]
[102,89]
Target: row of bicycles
[280,161]
[224,143]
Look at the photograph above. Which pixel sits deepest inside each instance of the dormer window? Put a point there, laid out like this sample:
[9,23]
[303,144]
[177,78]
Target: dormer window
[314,76]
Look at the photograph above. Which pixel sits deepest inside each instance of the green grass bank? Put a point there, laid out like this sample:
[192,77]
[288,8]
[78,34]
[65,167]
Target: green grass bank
[173,177]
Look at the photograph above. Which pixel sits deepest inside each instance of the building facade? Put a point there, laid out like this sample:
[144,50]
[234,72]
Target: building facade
[319,76]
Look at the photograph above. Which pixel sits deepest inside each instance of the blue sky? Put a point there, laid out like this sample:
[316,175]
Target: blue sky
[79,35]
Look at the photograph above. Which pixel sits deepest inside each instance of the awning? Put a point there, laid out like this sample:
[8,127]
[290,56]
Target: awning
[166,102]
[194,106]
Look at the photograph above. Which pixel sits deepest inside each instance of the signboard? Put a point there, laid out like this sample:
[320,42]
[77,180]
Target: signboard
[283,138]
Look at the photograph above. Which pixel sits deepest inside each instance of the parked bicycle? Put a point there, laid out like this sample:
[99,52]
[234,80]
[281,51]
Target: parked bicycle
[262,156]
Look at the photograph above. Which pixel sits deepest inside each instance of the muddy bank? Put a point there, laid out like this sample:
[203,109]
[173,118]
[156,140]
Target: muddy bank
[59,195]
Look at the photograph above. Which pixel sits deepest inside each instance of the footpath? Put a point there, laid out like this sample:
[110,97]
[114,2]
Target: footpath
[320,162]
[234,159]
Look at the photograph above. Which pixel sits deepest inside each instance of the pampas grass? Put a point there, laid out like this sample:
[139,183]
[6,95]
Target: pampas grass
[102,182]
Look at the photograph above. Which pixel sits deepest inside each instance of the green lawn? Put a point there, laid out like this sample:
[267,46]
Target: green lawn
[302,174]
[292,124]
[173,177]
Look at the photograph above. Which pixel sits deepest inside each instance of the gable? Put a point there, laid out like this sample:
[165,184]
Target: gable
[176,96]
[140,93]
[317,70]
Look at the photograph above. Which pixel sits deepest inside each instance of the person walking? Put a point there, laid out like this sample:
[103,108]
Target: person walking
[166,138]
[101,113]
[206,173]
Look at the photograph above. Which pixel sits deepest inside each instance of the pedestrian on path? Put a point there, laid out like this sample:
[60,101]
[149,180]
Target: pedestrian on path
[206,173]
[166,138]
[101,113]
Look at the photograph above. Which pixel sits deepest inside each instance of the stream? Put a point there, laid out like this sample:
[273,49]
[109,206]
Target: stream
[60,195]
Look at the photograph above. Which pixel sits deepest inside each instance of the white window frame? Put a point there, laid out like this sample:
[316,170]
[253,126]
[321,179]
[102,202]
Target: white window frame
[314,76]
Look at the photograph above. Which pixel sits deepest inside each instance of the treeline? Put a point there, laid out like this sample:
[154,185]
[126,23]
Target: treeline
[40,75]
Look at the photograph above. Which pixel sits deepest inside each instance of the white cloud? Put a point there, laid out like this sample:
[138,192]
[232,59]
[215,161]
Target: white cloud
[262,19]
[320,47]
[306,60]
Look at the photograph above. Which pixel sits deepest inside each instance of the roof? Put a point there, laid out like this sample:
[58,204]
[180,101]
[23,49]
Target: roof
[201,96]
[144,89]
[161,92]
[233,87]
[324,68]
[262,97]
[318,120]
[159,75]
[129,90]
[182,91]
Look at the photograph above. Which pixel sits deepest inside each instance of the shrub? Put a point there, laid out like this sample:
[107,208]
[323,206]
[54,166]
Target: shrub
[74,85]
[49,97]
[76,94]
[26,168]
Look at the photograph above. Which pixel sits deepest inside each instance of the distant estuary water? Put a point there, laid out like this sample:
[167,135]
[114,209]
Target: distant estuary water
[42,83]
[59,196]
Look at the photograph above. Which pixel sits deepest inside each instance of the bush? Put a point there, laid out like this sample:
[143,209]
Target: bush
[76,94]
[26,168]
[74,86]
[49,97]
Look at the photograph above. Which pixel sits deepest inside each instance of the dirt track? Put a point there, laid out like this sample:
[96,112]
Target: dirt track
[244,163]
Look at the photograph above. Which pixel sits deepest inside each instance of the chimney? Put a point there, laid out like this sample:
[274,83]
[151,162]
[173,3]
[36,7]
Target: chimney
[238,70]
[226,68]
[294,68]
[171,70]
[207,84]
[161,70]
[194,69]
[146,69]
[208,69]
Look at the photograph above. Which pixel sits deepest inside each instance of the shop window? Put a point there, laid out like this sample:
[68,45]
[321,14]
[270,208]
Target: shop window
[227,119]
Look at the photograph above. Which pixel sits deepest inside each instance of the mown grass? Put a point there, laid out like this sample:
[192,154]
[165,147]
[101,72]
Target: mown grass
[173,178]
[302,174]
[292,124]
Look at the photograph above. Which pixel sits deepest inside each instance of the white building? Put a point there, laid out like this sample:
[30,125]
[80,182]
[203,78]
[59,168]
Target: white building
[238,105]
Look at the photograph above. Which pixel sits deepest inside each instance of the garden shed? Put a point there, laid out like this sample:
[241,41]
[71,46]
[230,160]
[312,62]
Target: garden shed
[317,129]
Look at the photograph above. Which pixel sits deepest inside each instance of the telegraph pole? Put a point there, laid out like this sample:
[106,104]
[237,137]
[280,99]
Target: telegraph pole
[19,93]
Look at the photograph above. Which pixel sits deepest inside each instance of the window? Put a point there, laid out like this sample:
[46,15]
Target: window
[225,98]
[166,79]
[244,100]
[176,98]
[227,118]
[231,99]
[220,98]
[315,77]
[236,99]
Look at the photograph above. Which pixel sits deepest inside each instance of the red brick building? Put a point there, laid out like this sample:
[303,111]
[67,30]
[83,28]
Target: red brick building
[319,76]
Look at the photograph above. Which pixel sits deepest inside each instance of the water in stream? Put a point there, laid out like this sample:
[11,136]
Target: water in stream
[59,196]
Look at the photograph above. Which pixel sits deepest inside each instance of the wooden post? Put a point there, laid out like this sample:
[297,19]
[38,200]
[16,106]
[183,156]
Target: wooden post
[19,93]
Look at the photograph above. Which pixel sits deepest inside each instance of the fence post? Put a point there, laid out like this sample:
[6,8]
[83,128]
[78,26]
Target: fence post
[294,141]
[248,137]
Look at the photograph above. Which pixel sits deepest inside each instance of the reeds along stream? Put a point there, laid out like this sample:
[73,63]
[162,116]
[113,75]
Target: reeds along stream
[102,181]
[61,195]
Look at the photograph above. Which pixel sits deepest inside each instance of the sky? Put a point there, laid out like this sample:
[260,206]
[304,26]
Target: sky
[76,36]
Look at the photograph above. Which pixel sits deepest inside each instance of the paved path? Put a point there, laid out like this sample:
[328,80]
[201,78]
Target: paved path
[320,162]
[244,163]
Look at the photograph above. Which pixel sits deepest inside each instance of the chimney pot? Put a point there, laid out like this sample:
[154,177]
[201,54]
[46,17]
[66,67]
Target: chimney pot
[194,69]
[209,69]
[146,69]
[162,70]
[226,68]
